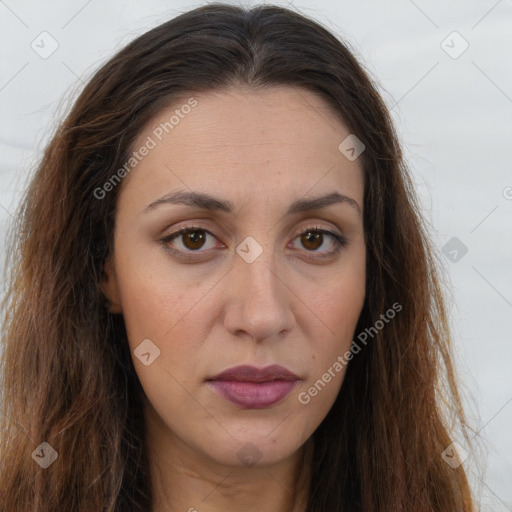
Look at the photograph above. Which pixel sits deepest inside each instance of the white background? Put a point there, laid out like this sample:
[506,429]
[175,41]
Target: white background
[454,117]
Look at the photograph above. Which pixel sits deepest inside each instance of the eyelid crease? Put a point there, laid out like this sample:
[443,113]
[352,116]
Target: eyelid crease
[339,240]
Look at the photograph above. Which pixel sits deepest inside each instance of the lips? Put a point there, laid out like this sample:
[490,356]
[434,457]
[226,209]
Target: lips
[246,373]
[249,387]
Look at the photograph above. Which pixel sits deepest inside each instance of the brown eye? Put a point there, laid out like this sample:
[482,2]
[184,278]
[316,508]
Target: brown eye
[193,240]
[188,240]
[312,240]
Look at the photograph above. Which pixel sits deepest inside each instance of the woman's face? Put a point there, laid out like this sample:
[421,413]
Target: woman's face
[257,280]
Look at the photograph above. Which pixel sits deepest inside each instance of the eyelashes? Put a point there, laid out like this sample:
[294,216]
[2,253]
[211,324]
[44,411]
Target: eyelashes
[194,238]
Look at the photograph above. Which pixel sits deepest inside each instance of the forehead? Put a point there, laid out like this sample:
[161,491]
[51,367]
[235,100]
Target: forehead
[247,141]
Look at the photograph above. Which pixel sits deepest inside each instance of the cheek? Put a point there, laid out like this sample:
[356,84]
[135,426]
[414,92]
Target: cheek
[168,309]
[163,313]
[154,300]
[340,304]
[338,308]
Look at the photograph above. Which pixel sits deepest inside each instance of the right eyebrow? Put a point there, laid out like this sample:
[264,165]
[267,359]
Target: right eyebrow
[211,203]
[195,199]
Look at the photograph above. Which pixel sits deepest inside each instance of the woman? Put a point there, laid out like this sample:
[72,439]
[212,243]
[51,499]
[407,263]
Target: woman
[223,296]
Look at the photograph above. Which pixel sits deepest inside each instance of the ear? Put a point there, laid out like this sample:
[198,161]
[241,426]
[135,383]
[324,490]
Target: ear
[110,289]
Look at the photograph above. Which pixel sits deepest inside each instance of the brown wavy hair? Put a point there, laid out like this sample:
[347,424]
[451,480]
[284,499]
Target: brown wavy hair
[67,374]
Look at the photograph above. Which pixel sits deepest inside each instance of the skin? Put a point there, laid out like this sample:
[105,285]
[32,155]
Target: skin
[262,150]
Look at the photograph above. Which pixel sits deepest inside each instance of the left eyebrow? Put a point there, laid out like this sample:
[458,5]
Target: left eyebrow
[317,203]
[211,203]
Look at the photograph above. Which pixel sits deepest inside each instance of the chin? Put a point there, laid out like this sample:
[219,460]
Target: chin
[254,449]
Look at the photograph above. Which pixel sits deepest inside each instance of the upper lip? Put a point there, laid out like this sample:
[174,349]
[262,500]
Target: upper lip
[247,373]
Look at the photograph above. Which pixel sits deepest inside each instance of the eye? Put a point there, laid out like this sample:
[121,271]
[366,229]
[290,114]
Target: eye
[314,238]
[191,239]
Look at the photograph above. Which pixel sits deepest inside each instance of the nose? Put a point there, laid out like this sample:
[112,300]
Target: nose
[259,305]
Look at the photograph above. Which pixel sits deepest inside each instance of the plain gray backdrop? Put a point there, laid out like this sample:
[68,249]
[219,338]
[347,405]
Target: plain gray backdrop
[445,71]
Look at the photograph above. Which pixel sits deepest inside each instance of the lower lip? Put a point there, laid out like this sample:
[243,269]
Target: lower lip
[253,395]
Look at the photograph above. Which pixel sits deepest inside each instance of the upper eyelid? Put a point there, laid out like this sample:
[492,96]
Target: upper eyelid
[191,227]
[181,230]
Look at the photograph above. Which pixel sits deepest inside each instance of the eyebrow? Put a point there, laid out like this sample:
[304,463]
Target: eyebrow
[210,203]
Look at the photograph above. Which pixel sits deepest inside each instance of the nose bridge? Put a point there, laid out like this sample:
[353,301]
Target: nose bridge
[261,305]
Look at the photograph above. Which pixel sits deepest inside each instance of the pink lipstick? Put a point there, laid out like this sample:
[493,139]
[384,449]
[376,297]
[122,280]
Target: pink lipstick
[254,388]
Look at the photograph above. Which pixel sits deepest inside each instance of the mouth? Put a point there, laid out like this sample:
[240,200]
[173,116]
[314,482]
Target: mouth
[249,387]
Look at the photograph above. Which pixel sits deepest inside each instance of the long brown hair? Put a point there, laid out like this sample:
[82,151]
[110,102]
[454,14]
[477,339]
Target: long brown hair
[68,377]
